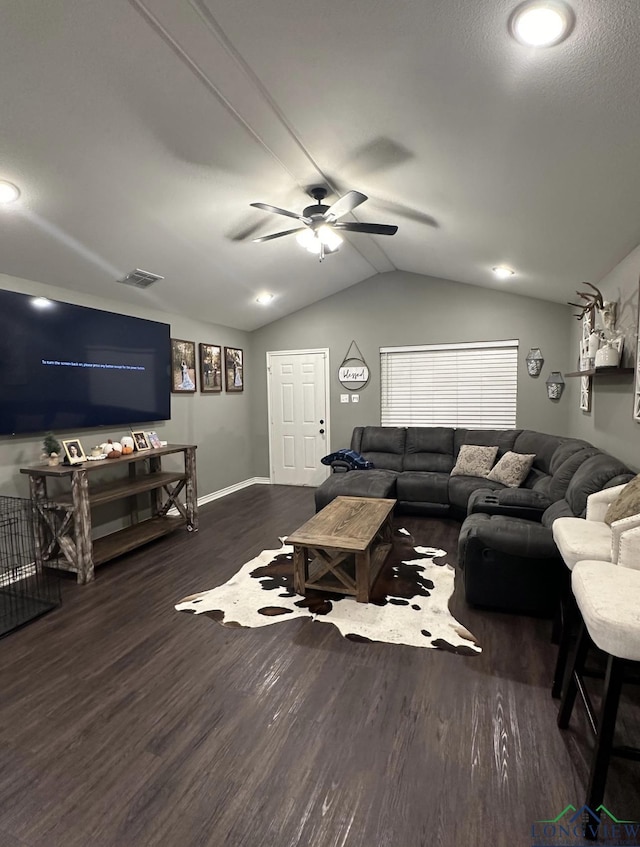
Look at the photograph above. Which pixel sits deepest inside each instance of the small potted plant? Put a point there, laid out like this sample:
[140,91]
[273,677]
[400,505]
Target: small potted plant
[51,448]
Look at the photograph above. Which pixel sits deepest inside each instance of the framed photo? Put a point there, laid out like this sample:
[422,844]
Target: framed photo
[210,368]
[140,440]
[233,369]
[183,366]
[152,438]
[73,451]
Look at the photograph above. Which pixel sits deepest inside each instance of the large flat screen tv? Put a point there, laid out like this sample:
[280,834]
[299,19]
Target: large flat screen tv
[66,367]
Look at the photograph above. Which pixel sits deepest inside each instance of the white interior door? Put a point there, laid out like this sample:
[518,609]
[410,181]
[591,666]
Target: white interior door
[298,423]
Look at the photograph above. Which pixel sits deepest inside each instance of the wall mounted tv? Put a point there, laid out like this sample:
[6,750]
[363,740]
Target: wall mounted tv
[66,367]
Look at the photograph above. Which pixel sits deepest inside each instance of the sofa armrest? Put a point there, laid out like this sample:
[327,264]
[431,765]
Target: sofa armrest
[514,502]
[619,530]
[599,502]
[629,551]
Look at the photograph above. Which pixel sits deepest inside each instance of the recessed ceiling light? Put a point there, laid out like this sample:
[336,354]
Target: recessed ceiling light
[41,302]
[503,272]
[541,23]
[263,299]
[8,192]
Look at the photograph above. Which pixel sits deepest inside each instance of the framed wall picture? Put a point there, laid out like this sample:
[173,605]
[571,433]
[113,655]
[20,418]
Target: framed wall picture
[140,440]
[233,369]
[73,451]
[210,368]
[183,366]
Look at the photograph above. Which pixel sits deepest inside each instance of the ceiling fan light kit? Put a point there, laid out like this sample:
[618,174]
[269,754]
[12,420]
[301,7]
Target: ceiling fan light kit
[318,235]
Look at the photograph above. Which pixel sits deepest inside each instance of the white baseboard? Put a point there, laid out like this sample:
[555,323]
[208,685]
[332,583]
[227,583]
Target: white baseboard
[223,492]
[238,486]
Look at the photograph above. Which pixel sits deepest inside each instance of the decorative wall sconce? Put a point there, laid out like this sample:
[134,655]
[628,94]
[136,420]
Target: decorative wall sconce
[555,385]
[534,361]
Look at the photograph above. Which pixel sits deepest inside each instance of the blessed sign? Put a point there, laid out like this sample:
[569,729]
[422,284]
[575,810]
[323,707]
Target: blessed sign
[354,376]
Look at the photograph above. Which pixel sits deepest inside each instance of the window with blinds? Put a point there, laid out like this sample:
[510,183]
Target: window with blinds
[471,385]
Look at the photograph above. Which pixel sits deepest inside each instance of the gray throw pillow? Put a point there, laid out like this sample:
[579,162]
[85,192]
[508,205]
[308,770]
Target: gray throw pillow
[627,503]
[512,469]
[474,460]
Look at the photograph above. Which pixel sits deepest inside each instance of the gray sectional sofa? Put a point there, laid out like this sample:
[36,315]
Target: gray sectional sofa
[506,548]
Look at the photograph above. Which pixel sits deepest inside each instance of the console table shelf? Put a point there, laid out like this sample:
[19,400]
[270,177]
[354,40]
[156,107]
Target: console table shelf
[65,518]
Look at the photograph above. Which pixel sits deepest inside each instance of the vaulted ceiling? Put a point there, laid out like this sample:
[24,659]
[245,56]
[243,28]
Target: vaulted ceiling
[139,131]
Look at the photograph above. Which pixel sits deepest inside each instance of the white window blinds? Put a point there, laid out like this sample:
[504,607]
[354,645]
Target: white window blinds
[471,385]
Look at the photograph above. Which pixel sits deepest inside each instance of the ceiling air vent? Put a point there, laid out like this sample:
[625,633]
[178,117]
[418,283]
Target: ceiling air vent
[140,278]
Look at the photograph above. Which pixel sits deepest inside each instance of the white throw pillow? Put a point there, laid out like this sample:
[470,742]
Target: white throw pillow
[512,469]
[474,460]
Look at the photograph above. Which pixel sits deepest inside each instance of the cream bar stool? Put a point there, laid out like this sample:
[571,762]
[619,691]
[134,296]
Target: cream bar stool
[580,539]
[607,597]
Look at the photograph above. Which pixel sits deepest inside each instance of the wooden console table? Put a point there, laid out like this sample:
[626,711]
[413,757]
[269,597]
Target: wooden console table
[64,521]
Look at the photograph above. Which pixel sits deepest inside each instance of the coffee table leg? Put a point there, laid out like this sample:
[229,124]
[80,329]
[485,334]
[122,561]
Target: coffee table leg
[299,561]
[363,572]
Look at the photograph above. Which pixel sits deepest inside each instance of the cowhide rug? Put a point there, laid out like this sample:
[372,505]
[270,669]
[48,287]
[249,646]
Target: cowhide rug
[409,600]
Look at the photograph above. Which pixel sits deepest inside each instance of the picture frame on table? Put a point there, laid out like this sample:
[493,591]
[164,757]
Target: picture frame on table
[74,454]
[210,368]
[153,439]
[183,366]
[233,369]
[140,440]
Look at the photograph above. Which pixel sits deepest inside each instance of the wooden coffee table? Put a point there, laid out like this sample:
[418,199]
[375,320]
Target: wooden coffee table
[343,547]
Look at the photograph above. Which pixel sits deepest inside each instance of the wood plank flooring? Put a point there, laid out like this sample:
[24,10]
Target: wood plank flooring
[124,723]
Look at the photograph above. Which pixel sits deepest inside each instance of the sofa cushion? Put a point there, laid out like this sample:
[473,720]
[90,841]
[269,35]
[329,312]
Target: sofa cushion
[382,445]
[429,448]
[564,450]
[559,509]
[564,472]
[627,503]
[512,469]
[423,487]
[503,438]
[540,444]
[474,460]
[372,483]
[593,475]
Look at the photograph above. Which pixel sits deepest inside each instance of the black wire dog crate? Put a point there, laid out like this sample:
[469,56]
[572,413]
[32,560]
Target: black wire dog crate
[26,591]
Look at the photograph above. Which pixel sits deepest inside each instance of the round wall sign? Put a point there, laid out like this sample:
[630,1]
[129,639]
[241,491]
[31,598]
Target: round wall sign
[353,374]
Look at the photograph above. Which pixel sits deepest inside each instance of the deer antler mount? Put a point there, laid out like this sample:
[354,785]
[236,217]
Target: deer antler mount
[592,301]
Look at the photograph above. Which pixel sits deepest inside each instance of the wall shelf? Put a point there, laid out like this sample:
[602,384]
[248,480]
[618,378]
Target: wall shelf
[602,372]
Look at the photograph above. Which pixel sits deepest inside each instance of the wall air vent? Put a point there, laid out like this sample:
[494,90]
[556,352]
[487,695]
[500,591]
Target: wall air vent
[140,279]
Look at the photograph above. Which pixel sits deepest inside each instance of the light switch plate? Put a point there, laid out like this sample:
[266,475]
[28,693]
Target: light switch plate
[355,398]
[344,398]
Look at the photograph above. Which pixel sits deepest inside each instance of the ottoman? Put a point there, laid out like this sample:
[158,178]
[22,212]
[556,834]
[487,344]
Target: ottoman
[375,482]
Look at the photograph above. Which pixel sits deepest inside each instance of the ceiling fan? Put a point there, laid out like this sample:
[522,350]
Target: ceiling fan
[319,235]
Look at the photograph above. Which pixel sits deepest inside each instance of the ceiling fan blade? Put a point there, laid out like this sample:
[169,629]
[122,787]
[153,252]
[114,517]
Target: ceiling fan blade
[345,204]
[277,235]
[373,229]
[267,208]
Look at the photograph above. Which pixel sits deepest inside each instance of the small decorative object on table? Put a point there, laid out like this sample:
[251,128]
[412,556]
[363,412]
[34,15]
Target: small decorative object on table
[140,439]
[51,449]
[73,452]
[152,438]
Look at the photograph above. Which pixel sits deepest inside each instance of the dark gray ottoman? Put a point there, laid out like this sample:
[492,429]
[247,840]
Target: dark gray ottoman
[372,483]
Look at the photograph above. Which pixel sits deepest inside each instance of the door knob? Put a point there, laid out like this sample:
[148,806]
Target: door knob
[321,421]
[321,432]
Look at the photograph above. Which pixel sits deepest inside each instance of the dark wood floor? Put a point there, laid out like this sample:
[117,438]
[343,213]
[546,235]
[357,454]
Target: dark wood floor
[124,723]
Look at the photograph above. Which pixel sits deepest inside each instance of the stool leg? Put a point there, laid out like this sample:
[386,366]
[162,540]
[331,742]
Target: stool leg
[604,740]
[569,616]
[571,689]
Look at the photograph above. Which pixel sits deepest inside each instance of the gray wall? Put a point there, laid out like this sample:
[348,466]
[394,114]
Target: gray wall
[610,425]
[218,423]
[402,308]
